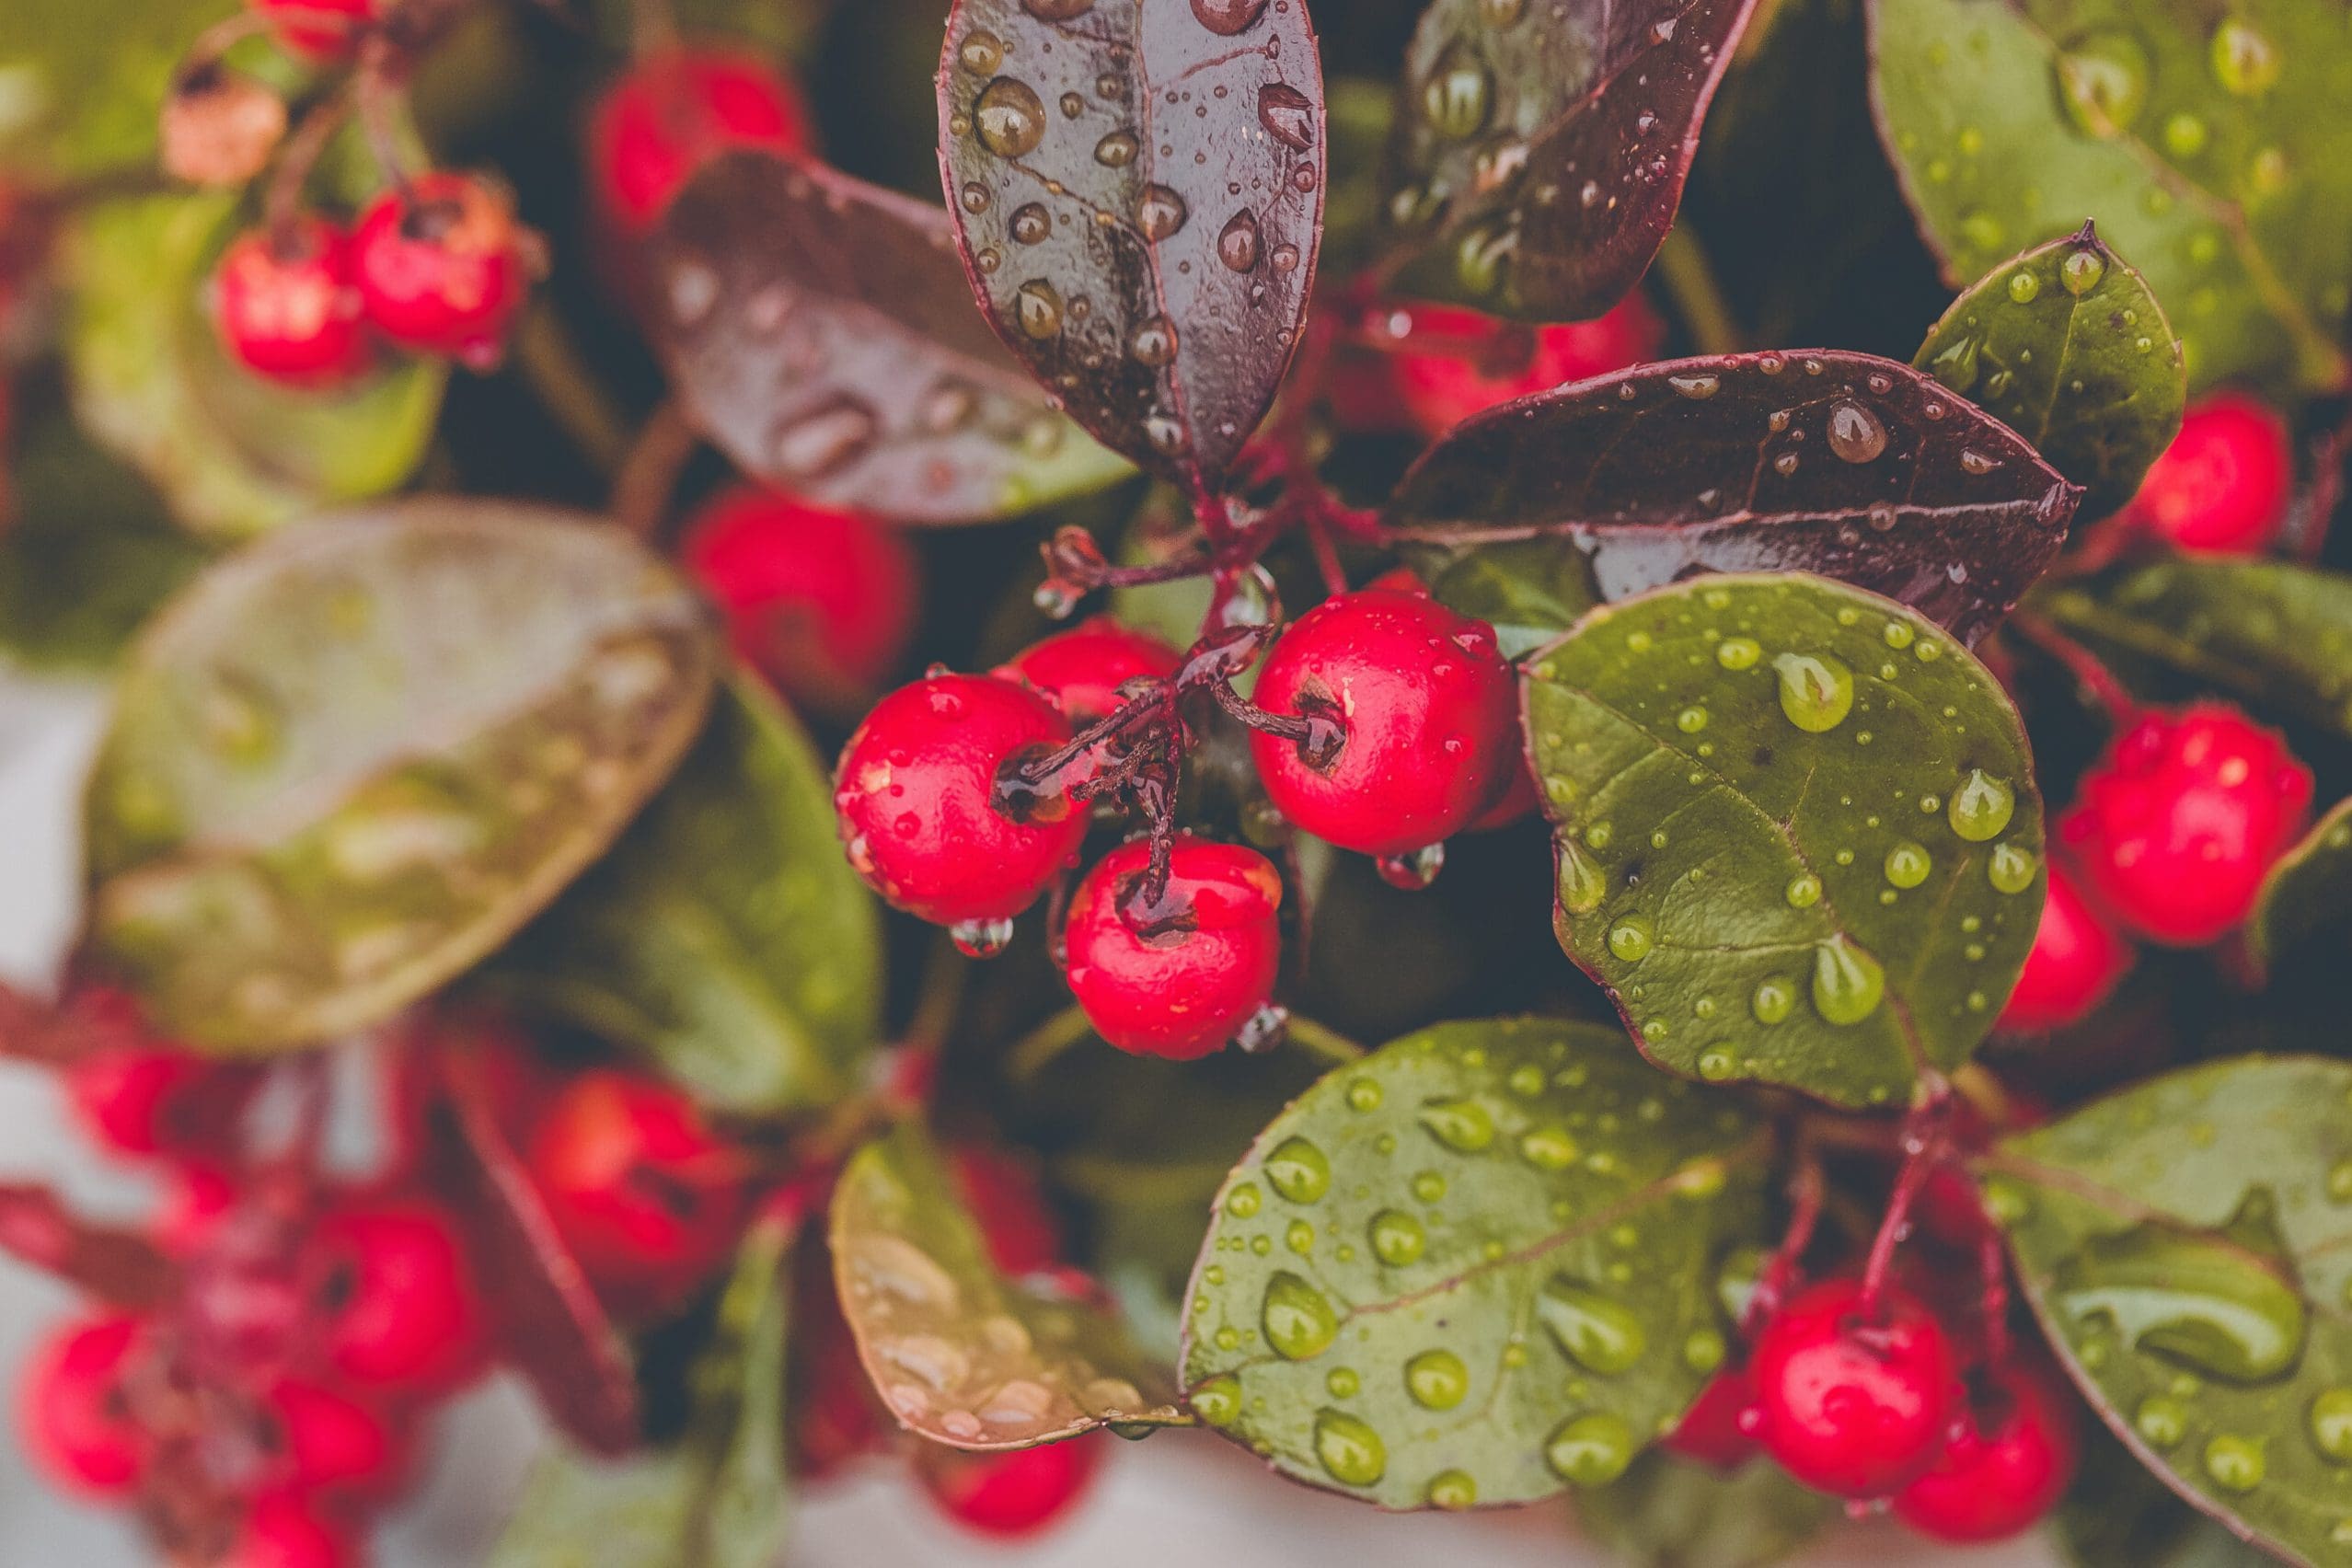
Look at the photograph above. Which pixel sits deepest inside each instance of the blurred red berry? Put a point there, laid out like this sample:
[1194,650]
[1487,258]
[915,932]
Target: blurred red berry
[286,304]
[444,267]
[2007,1465]
[2222,486]
[75,1411]
[1018,1224]
[2076,960]
[1082,669]
[326,1441]
[399,1310]
[289,1530]
[148,1100]
[317,31]
[1854,1402]
[1715,1430]
[675,112]
[1180,979]
[196,1198]
[1451,362]
[1009,1494]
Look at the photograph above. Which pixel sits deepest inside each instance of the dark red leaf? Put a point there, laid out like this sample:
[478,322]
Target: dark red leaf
[1138,188]
[120,1267]
[552,1328]
[1540,147]
[1843,465]
[822,333]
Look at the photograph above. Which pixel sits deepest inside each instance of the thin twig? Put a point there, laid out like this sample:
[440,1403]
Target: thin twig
[551,363]
[1037,1050]
[1324,1044]
[649,471]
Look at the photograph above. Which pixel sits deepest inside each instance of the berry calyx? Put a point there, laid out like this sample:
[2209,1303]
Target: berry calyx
[288,1530]
[1176,977]
[77,1420]
[1428,714]
[319,30]
[2222,486]
[647,1198]
[286,304]
[1855,1398]
[2076,960]
[2006,1466]
[820,601]
[444,267]
[2175,826]
[1009,1494]
[1082,669]
[675,112]
[915,794]
[1716,1429]
[147,1101]
[398,1306]
[1452,362]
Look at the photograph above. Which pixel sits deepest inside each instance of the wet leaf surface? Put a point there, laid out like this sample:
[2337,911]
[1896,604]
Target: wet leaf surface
[1797,832]
[2116,1512]
[1843,465]
[354,758]
[2187,1245]
[1474,1268]
[724,937]
[2209,145]
[2274,634]
[715,1499]
[233,455]
[961,1355]
[2066,345]
[1672,1513]
[1137,187]
[1540,148]
[2307,896]
[822,331]
[1530,590]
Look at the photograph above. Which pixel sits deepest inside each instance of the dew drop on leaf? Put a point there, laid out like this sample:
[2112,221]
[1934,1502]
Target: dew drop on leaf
[2102,80]
[1161,213]
[1856,434]
[1592,1450]
[1299,1171]
[1397,1237]
[1817,690]
[1463,1125]
[1437,1379]
[1237,243]
[1228,17]
[1848,983]
[1010,117]
[1297,1320]
[1599,1334]
[1287,114]
[1347,1446]
[1982,807]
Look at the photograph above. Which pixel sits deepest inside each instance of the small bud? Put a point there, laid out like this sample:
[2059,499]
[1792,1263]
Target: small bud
[219,127]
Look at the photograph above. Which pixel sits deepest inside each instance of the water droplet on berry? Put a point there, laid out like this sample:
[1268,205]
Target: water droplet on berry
[1414,870]
[981,938]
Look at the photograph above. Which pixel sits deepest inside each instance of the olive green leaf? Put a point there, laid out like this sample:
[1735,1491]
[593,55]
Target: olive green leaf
[233,455]
[1473,1268]
[81,80]
[2066,346]
[350,760]
[1671,1513]
[2117,1512]
[2187,1245]
[2209,144]
[714,1499]
[961,1355]
[2272,633]
[1798,835]
[1529,590]
[726,937]
[2307,894]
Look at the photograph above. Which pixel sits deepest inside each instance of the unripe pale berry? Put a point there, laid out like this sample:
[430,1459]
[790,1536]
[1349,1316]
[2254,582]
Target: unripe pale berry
[2007,1466]
[1454,363]
[1082,669]
[1854,1402]
[2076,960]
[676,110]
[286,304]
[444,267]
[2221,487]
[1178,978]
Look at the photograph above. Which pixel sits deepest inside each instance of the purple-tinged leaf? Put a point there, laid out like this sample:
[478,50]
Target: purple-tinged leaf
[1138,189]
[820,329]
[1843,465]
[121,1268]
[1540,148]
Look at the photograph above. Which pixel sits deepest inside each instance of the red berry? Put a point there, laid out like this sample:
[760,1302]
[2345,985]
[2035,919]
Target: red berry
[196,1199]
[1856,1404]
[1453,363]
[1426,708]
[328,1441]
[1015,1494]
[677,110]
[1022,1235]
[1516,803]
[1712,1431]
[649,1199]
[1178,978]
[288,1530]
[2222,485]
[914,795]
[77,1420]
[444,267]
[286,304]
[2175,826]
[399,1306]
[2076,960]
[2007,1466]
[149,1101]
[316,30]
[1083,668]
[820,601]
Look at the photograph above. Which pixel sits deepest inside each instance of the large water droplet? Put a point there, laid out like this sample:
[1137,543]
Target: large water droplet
[1458,94]
[1855,434]
[1287,114]
[2083,271]
[2330,1421]
[1773,1001]
[1297,1320]
[1037,306]
[2234,1464]
[1817,690]
[1738,653]
[1299,1171]
[1032,225]
[1153,342]
[981,938]
[2220,1303]
[2102,79]
[1981,808]
[981,53]
[1217,1401]
[1057,10]
[1437,1379]
[1397,1237]
[1160,213]
[1597,1333]
[2245,61]
[1227,17]
[1590,1450]
[2010,868]
[1463,1125]
[1237,243]
[1583,884]
[1907,864]
[1847,982]
[1452,1490]
[1348,1446]
[1118,150]
[826,439]
[1631,937]
[1010,117]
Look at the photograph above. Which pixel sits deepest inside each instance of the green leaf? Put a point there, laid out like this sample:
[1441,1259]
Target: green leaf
[1798,834]
[1529,590]
[1671,1513]
[81,80]
[1475,1267]
[2117,1512]
[233,453]
[961,1355]
[351,759]
[2270,632]
[2209,145]
[2307,894]
[717,1499]
[726,937]
[2066,345]
[2187,1245]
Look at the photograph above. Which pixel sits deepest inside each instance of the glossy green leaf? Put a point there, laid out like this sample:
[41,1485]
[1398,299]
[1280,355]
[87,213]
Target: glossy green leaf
[2307,894]
[2209,144]
[2187,1245]
[725,937]
[2117,1512]
[1476,1267]
[2066,346]
[1672,1513]
[2272,633]
[233,453]
[1798,835]
[350,760]
[715,1499]
[1529,590]
[961,1355]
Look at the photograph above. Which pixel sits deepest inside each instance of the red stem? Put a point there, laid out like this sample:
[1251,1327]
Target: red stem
[2081,663]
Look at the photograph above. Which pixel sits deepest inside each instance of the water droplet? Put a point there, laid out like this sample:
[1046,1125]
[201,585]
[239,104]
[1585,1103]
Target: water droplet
[981,938]
[1698,389]
[1738,652]
[1592,1450]
[1599,1334]
[1458,94]
[1583,884]
[1011,118]
[2023,287]
[1412,870]
[1462,1125]
[1037,306]
[1804,891]
[1452,1490]
[1118,150]
[1429,1186]
[2102,79]
[1299,1171]
[1153,342]
[1237,243]
[1397,1237]
[1160,213]
[1773,1001]
[1907,864]
[2245,61]
[2234,1464]
[981,53]
[2339,1175]
[1718,1062]
[1855,434]
[1031,224]
[1981,806]
[1364,1094]
[1287,114]
[1297,1320]
[2185,135]
[820,442]
[2218,1304]
[1243,1200]
[1847,982]
[2331,1423]
[1817,690]
[1690,721]
[2083,271]
[1437,1379]
[1217,1401]
[1227,17]
[2010,868]
[1549,1147]
[1631,937]
[1348,1446]
[1057,10]
[2161,1421]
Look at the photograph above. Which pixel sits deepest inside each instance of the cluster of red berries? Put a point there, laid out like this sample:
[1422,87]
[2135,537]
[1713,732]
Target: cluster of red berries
[1434,365]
